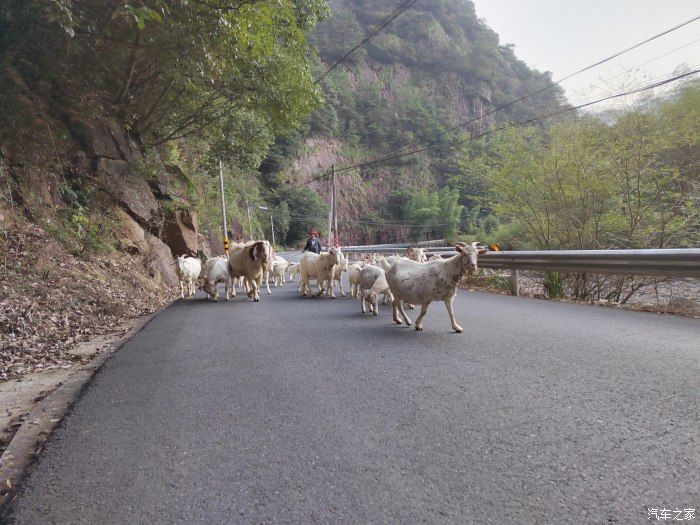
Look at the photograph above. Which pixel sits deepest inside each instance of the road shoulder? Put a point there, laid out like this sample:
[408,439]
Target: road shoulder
[34,410]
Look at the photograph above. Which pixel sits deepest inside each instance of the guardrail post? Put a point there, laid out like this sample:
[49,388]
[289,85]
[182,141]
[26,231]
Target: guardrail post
[514,282]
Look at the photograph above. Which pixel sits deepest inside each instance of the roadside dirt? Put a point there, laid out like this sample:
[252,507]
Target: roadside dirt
[20,396]
[679,296]
[52,301]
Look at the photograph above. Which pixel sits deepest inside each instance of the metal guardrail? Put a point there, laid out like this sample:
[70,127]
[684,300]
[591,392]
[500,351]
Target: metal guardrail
[672,262]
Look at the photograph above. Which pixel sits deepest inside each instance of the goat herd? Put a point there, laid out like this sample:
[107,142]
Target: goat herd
[399,280]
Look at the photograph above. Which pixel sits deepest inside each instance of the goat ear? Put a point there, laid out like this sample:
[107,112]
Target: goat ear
[409,251]
[458,247]
[255,251]
[482,251]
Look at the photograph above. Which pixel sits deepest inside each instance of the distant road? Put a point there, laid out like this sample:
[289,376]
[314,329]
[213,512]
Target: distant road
[297,410]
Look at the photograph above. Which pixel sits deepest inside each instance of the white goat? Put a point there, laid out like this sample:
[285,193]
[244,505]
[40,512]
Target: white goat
[319,266]
[417,254]
[251,261]
[271,256]
[338,270]
[372,285]
[385,263]
[422,283]
[216,271]
[354,274]
[188,270]
[293,270]
[279,266]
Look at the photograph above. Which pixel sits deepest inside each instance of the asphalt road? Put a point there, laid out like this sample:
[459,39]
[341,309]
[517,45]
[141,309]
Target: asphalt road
[303,410]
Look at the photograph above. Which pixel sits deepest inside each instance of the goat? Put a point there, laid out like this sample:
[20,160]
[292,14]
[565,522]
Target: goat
[251,261]
[319,266]
[422,283]
[188,270]
[216,271]
[279,266]
[372,285]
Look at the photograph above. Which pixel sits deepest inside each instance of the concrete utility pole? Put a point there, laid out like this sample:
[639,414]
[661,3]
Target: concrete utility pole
[335,209]
[330,215]
[250,223]
[223,205]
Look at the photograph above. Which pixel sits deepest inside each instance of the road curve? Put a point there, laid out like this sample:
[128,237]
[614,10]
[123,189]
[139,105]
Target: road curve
[303,410]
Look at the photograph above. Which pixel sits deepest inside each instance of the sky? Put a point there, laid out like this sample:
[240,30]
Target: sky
[563,36]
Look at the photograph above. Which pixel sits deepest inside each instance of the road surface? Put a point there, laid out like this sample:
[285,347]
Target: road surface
[304,410]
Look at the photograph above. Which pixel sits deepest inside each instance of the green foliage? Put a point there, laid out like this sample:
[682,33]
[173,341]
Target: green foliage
[422,211]
[78,230]
[428,214]
[450,213]
[307,211]
[624,181]
[168,70]
[554,285]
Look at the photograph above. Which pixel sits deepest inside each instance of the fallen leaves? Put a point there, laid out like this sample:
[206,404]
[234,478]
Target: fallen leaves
[43,316]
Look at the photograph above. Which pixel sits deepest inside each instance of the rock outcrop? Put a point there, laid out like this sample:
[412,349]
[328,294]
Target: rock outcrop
[128,233]
[129,190]
[161,265]
[180,232]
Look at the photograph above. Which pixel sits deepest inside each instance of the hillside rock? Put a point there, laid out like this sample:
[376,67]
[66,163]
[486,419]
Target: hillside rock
[102,139]
[180,232]
[130,191]
[127,229]
[160,261]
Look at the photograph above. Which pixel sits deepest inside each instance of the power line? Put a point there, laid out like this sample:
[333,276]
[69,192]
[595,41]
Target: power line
[549,86]
[378,29]
[639,66]
[639,84]
[519,123]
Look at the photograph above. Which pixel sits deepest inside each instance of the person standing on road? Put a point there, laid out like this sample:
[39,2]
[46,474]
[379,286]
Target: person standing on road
[313,244]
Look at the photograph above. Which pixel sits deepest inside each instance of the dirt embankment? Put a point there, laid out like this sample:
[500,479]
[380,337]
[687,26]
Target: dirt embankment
[89,226]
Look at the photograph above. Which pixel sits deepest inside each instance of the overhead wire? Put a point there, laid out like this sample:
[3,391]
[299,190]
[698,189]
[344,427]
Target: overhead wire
[403,6]
[579,92]
[530,120]
[637,84]
[553,84]
[398,11]
[522,122]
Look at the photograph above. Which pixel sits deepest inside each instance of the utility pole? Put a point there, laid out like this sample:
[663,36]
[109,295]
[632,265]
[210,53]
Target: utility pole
[335,208]
[250,223]
[223,205]
[330,214]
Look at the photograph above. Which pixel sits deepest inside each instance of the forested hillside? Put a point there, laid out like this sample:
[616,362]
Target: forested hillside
[624,178]
[433,67]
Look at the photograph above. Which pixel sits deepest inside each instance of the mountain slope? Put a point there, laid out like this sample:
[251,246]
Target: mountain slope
[435,66]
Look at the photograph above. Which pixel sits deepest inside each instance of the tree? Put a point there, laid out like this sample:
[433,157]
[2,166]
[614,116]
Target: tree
[307,211]
[422,211]
[450,213]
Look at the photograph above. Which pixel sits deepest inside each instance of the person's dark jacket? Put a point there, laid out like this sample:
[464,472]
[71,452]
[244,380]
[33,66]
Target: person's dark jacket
[313,245]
